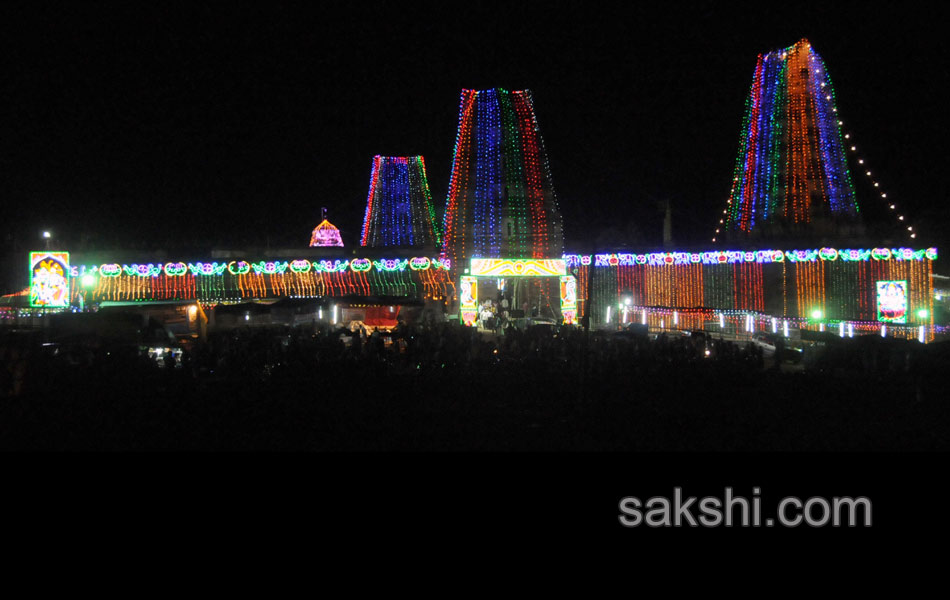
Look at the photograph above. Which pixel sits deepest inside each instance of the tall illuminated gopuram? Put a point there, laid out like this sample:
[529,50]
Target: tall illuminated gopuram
[793,253]
[399,206]
[501,201]
[791,179]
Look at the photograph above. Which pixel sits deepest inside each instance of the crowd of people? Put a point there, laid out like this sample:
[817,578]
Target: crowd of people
[498,314]
[441,384]
[266,352]
[260,353]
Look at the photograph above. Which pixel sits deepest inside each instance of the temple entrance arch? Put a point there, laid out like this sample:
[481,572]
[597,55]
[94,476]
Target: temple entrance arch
[518,271]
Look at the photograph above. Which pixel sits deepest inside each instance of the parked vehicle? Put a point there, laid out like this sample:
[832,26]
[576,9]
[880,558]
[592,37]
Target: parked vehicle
[766,341]
[770,343]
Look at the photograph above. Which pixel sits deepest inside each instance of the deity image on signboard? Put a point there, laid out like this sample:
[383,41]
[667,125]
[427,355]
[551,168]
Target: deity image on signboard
[892,301]
[49,279]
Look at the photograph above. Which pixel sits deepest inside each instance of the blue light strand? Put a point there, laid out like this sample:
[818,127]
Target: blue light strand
[493,225]
[481,164]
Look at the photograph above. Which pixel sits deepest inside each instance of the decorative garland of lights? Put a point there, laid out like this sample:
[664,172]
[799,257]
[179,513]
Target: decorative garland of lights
[891,205]
[420,264]
[361,265]
[212,268]
[399,208]
[656,259]
[300,266]
[269,267]
[838,283]
[148,270]
[753,321]
[235,267]
[326,266]
[391,265]
[213,282]
[176,269]
[457,201]
[517,267]
[501,199]
[109,270]
[241,267]
[790,127]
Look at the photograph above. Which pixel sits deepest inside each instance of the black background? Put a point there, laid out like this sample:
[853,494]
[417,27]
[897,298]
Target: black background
[231,124]
[351,505]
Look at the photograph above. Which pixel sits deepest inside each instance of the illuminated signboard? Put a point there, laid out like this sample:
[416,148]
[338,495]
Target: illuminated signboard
[49,279]
[568,299]
[892,301]
[518,267]
[468,300]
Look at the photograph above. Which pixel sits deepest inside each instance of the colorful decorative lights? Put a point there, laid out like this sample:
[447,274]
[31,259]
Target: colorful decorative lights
[149,270]
[876,185]
[892,302]
[175,269]
[514,267]
[211,281]
[568,299]
[838,282]
[399,208]
[110,270]
[750,256]
[419,264]
[270,267]
[791,168]
[361,265]
[501,199]
[468,300]
[49,279]
[391,265]
[235,267]
[300,266]
[325,234]
[212,268]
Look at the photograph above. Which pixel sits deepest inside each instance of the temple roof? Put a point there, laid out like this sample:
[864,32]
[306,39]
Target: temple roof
[326,234]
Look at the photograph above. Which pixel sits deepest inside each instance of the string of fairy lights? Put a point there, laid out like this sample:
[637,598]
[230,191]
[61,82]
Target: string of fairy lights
[822,288]
[791,131]
[301,278]
[501,199]
[792,165]
[454,240]
[838,284]
[399,208]
[891,204]
[547,225]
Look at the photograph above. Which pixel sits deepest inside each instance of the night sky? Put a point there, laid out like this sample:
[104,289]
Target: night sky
[191,124]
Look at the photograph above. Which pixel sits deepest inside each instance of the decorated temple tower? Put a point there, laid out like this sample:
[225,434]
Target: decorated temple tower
[399,208]
[791,179]
[501,200]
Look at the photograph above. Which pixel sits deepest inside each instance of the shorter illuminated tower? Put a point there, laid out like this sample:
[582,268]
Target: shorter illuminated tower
[325,234]
[399,205]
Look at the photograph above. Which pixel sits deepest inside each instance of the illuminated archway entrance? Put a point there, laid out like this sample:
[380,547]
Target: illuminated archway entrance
[504,268]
